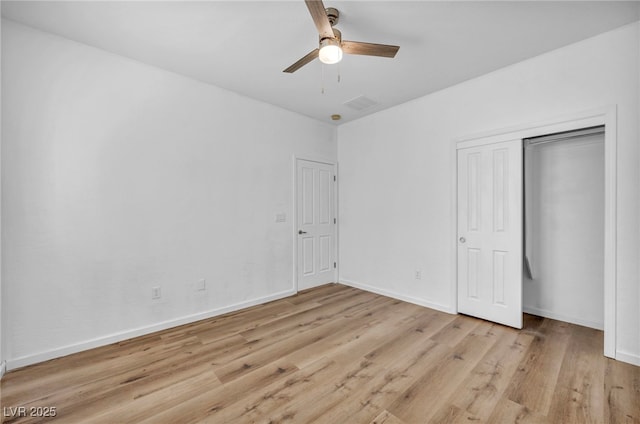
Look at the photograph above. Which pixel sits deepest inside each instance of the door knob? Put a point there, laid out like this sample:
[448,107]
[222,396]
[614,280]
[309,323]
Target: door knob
[302,232]
[462,239]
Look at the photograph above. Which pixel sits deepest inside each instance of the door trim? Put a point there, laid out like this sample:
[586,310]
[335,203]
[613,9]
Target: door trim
[606,116]
[294,213]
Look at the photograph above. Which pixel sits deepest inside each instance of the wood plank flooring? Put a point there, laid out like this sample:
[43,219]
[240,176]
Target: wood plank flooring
[336,354]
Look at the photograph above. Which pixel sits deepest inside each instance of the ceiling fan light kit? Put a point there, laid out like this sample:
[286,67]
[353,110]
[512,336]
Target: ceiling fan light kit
[330,51]
[332,47]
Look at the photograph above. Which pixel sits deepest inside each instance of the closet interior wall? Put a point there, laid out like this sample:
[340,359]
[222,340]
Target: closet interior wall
[564,227]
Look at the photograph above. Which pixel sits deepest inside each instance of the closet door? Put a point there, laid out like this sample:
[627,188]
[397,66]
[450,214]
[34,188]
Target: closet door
[490,211]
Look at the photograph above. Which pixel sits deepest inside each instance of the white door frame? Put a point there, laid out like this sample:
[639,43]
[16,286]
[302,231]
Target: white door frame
[606,116]
[294,229]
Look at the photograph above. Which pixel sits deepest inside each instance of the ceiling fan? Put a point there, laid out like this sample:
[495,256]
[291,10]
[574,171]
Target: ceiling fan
[332,46]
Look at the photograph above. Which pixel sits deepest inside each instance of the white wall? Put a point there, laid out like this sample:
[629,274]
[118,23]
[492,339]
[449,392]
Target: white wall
[117,177]
[564,183]
[2,363]
[397,169]
[637,323]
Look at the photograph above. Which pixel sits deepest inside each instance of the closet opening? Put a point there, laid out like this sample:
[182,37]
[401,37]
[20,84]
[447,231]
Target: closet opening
[564,226]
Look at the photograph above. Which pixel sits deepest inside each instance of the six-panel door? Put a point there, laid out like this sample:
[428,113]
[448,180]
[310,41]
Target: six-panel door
[316,224]
[490,232]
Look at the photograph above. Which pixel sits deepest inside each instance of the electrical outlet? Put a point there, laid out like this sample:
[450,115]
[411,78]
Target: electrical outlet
[156,293]
[418,274]
[201,285]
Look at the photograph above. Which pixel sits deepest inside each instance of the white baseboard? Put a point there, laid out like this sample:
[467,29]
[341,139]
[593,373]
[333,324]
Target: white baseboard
[560,317]
[399,296]
[627,357]
[140,331]
[3,368]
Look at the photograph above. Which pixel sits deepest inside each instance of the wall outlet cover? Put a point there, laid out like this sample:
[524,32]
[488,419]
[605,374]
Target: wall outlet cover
[201,285]
[156,293]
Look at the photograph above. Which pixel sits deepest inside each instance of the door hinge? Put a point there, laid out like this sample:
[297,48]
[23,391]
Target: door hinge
[334,178]
[334,265]
[334,220]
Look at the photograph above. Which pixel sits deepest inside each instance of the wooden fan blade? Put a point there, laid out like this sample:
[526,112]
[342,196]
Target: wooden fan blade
[299,64]
[319,15]
[369,49]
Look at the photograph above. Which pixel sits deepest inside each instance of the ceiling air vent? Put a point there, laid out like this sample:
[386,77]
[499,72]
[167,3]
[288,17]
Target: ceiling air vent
[360,103]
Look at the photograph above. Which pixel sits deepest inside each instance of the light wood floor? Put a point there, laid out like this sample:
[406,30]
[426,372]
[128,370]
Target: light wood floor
[338,355]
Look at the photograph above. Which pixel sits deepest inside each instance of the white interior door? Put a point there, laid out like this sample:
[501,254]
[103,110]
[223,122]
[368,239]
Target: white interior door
[316,230]
[490,232]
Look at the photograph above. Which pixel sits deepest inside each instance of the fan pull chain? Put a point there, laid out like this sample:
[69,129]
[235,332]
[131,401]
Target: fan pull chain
[338,72]
[322,79]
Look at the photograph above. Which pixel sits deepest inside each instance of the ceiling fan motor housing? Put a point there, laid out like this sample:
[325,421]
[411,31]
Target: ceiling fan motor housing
[337,35]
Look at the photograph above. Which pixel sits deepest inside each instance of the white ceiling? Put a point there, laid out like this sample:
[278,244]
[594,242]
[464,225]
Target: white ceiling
[243,46]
